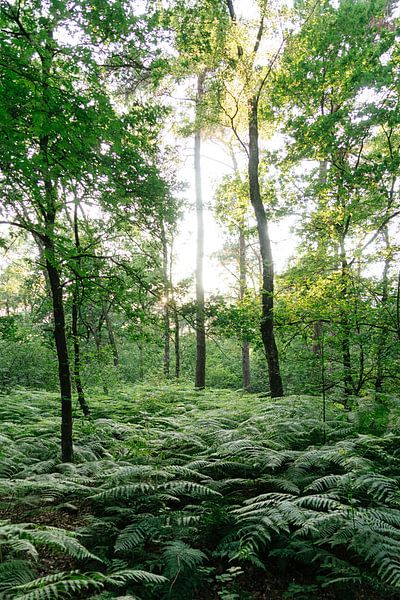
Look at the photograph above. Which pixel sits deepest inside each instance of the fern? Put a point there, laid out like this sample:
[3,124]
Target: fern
[15,572]
[248,480]
[53,587]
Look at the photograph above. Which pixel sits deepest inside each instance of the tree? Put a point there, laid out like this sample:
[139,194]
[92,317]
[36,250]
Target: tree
[231,209]
[320,93]
[250,79]
[200,31]
[60,128]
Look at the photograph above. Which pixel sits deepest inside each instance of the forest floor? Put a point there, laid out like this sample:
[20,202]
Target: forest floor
[229,496]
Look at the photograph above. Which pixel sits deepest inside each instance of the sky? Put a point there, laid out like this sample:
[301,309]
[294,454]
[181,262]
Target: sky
[215,164]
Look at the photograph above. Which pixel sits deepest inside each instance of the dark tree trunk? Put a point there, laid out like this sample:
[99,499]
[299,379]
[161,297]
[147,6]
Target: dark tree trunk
[267,293]
[141,362]
[54,281]
[317,325]
[75,324]
[347,377]
[200,379]
[383,337]
[77,354]
[398,306]
[62,352]
[317,332]
[243,283]
[166,308]
[348,383]
[97,336]
[246,374]
[48,211]
[177,343]
[166,357]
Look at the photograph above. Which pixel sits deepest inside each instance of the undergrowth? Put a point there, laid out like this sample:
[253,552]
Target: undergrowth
[175,491]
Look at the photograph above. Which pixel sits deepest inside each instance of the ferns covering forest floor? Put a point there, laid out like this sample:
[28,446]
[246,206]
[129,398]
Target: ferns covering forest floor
[200,495]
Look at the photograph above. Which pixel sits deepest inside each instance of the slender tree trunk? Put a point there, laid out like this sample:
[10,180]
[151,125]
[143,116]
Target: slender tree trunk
[175,316]
[317,331]
[166,308]
[317,325]
[245,348]
[75,324]
[200,379]
[177,343]
[48,211]
[62,352]
[141,362]
[348,383]
[111,339]
[383,337]
[267,293]
[96,332]
[243,284]
[359,381]
[398,306]
[77,353]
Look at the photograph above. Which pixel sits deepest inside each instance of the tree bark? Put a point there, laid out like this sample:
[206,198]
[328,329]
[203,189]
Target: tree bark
[177,343]
[48,210]
[317,326]
[75,324]
[348,383]
[96,326]
[141,362]
[267,293]
[62,351]
[246,375]
[200,318]
[166,307]
[245,347]
[384,298]
[77,353]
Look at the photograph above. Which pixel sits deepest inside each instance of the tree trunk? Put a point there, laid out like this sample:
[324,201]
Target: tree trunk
[317,325]
[200,319]
[383,337]
[48,211]
[75,326]
[97,340]
[166,307]
[177,344]
[243,283]
[348,383]
[77,353]
[398,306]
[267,293]
[246,374]
[141,362]
[62,352]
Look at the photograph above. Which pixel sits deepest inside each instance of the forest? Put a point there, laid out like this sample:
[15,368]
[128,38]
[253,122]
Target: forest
[199,299]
